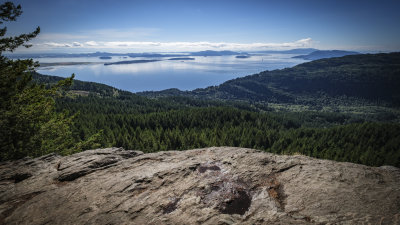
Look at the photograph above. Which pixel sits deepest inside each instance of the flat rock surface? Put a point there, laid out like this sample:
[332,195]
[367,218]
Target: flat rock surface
[219,185]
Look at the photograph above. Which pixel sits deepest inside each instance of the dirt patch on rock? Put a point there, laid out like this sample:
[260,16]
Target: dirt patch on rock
[226,192]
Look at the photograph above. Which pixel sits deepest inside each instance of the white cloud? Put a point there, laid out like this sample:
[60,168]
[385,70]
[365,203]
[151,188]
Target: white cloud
[305,42]
[60,36]
[77,44]
[100,34]
[91,43]
[54,44]
[140,46]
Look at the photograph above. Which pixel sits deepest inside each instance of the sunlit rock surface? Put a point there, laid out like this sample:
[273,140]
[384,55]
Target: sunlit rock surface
[220,185]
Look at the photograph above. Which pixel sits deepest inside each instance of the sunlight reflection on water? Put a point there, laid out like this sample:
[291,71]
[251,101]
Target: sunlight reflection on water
[159,75]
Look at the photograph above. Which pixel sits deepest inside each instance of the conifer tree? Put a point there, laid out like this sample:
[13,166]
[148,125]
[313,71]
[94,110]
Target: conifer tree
[29,124]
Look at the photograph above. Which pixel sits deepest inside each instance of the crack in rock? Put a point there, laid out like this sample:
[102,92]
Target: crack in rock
[18,177]
[171,206]
[203,169]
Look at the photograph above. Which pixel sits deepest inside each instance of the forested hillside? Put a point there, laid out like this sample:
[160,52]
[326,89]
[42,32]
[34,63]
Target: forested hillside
[323,54]
[126,126]
[353,80]
[135,122]
[185,120]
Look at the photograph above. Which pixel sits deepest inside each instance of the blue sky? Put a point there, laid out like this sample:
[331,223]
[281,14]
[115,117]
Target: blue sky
[139,26]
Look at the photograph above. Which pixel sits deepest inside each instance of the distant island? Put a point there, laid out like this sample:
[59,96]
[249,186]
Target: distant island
[131,62]
[67,63]
[105,57]
[242,56]
[154,55]
[322,54]
[182,58]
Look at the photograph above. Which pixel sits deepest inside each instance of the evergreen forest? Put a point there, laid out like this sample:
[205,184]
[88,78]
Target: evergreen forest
[343,109]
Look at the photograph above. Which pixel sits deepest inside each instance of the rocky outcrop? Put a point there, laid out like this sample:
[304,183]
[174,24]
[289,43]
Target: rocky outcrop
[204,186]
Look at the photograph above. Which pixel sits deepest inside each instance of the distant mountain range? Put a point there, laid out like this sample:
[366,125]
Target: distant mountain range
[322,54]
[291,51]
[155,55]
[303,53]
[215,53]
[182,58]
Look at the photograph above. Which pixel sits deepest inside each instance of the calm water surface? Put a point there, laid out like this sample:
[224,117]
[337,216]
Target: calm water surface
[182,74]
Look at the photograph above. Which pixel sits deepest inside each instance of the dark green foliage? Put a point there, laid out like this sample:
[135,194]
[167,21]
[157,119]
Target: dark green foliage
[10,12]
[371,144]
[167,124]
[29,124]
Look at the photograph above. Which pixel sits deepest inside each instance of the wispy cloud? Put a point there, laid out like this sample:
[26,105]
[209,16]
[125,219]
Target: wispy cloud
[99,34]
[172,46]
[90,44]
[77,44]
[61,36]
[56,45]
[130,40]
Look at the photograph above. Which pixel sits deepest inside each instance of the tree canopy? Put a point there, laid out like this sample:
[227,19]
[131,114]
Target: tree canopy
[29,124]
